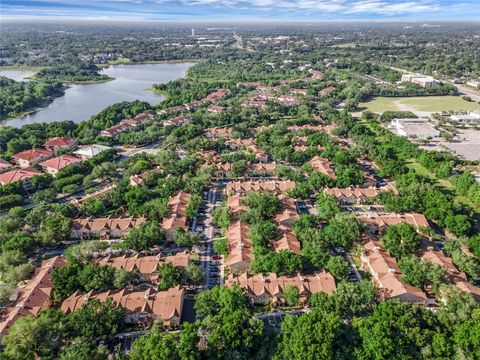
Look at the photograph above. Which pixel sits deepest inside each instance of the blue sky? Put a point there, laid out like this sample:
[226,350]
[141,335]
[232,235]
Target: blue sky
[242,9]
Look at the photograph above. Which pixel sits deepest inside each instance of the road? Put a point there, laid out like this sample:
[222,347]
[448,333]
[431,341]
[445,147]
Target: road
[213,269]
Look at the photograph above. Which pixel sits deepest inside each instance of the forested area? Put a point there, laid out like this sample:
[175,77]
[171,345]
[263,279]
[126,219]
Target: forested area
[74,72]
[20,96]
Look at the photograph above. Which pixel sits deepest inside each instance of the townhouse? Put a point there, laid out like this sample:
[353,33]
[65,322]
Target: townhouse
[216,109]
[327,90]
[31,157]
[261,289]
[322,165]
[357,195]
[34,297]
[126,124]
[378,222]
[240,247]
[146,266]
[387,275]
[180,120]
[104,228]
[141,307]
[54,165]
[24,175]
[177,218]
[5,166]
[288,241]
[215,133]
[60,143]
[274,186]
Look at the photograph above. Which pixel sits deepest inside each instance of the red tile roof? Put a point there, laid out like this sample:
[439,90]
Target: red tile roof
[60,162]
[32,154]
[59,141]
[18,175]
[4,164]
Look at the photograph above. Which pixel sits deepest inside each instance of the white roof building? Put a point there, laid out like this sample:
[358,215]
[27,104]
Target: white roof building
[419,128]
[88,151]
[466,118]
[427,82]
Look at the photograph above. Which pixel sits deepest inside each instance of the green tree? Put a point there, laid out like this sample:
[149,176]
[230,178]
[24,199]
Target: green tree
[291,294]
[170,276]
[338,267]
[401,240]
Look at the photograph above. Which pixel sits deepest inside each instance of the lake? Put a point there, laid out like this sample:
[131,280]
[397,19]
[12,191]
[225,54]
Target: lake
[81,101]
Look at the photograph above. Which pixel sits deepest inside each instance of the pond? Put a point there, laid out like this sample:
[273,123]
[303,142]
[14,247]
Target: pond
[81,101]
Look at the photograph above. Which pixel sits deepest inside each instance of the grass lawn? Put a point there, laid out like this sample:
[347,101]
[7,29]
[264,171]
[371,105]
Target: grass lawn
[419,103]
[423,171]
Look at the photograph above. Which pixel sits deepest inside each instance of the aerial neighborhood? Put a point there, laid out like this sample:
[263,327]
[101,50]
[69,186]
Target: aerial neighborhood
[278,203]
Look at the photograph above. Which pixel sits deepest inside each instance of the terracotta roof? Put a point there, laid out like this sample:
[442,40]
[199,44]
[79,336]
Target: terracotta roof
[32,154]
[34,296]
[467,287]
[178,120]
[217,94]
[264,166]
[288,241]
[239,244]
[107,224]
[18,175]
[162,305]
[383,220]
[439,258]
[273,186]
[216,108]
[327,90]
[322,165]
[145,265]
[60,162]
[4,164]
[387,274]
[177,206]
[273,285]
[59,141]
[219,132]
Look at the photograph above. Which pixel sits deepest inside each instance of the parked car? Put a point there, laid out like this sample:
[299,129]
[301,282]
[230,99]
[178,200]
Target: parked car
[217,257]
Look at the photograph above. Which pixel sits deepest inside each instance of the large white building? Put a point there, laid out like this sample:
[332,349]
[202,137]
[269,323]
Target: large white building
[419,128]
[472,117]
[427,82]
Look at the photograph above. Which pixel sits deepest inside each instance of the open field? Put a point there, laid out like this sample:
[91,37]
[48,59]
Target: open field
[419,103]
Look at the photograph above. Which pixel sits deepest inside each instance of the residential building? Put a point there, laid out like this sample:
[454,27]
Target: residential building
[263,168]
[288,213]
[180,120]
[234,204]
[357,195]
[60,143]
[418,128]
[439,258]
[24,175]
[288,241]
[104,228]
[473,83]
[33,297]
[215,133]
[249,83]
[387,275]
[240,247]
[274,186]
[141,307]
[216,109]
[88,151]
[261,289]
[216,95]
[322,165]
[327,90]
[52,166]
[5,166]
[146,266]
[378,222]
[31,157]
[177,218]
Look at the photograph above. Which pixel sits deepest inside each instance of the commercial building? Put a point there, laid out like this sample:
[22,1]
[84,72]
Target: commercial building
[418,128]
[426,82]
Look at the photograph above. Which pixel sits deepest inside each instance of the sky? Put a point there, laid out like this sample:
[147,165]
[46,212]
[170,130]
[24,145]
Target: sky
[224,10]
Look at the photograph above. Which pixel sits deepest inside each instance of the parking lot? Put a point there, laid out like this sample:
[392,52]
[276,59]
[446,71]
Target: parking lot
[211,262]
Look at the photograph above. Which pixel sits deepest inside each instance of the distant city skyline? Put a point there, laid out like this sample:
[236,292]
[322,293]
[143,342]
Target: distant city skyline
[241,9]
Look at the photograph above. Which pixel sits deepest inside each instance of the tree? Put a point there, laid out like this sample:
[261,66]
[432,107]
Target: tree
[195,274]
[31,338]
[397,330]
[291,294]
[81,350]
[220,246]
[422,273]
[170,276]
[310,336]
[155,345]
[144,237]
[342,231]
[95,320]
[338,267]
[93,206]
[467,336]
[401,240]
[122,278]
[327,207]
[54,229]
[186,239]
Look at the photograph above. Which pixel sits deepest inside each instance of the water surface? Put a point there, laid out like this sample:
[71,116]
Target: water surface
[81,101]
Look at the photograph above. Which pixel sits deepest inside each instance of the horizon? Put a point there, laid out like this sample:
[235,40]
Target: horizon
[303,11]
